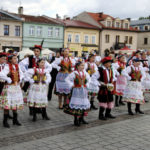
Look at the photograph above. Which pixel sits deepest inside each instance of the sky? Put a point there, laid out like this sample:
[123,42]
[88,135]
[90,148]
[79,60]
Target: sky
[116,8]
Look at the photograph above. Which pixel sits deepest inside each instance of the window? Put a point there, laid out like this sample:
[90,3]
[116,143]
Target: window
[31,30]
[117,39]
[93,40]
[6,29]
[107,38]
[69,38]
[137,28]
[86,39]
[117,25]
[146,28]
[126,39]
[126,25]
[39,31]
[108,23]
[50,31]
[130,40]
[17,30]
[57,32]
[76,38]
[145,41]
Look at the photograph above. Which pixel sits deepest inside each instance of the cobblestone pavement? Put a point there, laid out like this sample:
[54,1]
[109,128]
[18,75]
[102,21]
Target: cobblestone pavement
[123,133]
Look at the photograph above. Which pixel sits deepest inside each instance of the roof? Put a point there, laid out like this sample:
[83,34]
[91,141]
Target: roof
[98,17]
[36,19]
[140,22]
[78,24]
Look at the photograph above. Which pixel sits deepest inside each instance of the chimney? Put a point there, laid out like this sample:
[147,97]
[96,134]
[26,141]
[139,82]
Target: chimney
[58,17]
[100,14]
[20,10]
[129,19]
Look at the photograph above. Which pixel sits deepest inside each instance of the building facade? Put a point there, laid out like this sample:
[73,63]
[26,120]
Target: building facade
[114,32]
[144,33]
[80,37]
[10,31]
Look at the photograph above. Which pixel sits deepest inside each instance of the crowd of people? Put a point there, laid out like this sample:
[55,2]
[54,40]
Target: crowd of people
[77,81]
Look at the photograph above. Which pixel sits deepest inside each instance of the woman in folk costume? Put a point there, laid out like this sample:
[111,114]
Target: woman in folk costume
[133,92]
[79,103]
[39,79]
[121,82]
[91,68]
[146,81]
[105,95]
[64,65]
[11,98]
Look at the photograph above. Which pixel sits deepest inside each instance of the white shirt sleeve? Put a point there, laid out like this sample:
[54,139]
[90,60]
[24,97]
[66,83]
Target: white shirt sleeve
[24,64]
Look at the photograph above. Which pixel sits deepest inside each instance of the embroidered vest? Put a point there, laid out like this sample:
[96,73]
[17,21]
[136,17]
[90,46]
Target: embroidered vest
[66,66]
[90,69]
[135,75]
[80,81]
[39,77]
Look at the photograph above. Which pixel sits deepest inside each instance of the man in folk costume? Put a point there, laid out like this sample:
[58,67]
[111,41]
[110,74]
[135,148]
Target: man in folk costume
[134,90]
[31,62]
[91,68]
[105,95]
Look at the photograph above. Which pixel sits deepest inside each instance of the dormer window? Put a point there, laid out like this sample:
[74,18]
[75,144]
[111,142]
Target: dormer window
[146,27]
[117,24]
[108,23]
[126,25]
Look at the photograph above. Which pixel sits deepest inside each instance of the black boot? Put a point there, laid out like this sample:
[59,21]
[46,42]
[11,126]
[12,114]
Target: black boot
[44,114]
[34,114]
[101,115]
[92,105]
[116,101]
[137,109]
[15,119]
[108,114]
[30,111]
[5,123]
[76,121]
[121,102]
[9,116]
[129,109]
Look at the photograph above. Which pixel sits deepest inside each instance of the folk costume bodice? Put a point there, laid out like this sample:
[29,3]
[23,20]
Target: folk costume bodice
[135,74]
[80,80]
[39,75]
[66,65]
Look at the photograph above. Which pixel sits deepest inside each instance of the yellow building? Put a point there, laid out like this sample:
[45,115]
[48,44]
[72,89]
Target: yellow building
[80,37]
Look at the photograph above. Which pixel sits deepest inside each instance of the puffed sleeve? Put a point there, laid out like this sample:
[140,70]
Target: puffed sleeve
[94,78]
[126,72]
[143,73]
[21,75]
[88,79]
[48,78]
[28,75]
[48,66]
[24,64]
[70,79]
[4,73]
[56,63]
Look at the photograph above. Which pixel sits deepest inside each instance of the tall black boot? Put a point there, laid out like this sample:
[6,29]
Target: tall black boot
[137,109]
[5,123]
[92,104]
[129,109]
[44,114]
[76,121]
[120,101]
[15,119]
[108,114]
[101,113]
[30,111]
[116,101]
[34,114]
[81,119]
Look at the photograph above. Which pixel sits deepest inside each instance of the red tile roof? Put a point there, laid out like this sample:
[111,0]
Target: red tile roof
[100,17]
[79,24]
[36,19]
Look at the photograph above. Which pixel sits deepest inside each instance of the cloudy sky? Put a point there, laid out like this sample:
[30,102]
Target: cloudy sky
[117,8]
